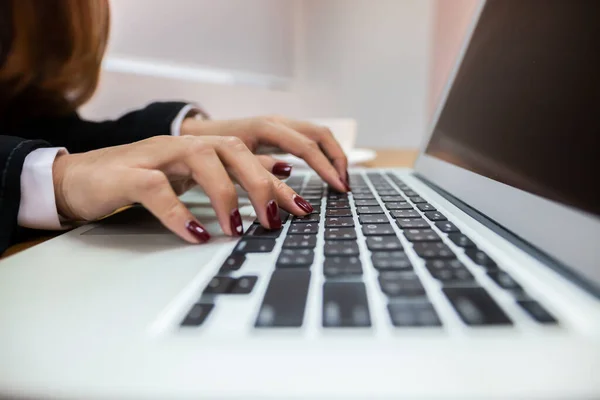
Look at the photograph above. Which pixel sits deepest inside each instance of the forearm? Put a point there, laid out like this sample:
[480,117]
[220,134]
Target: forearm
[13,152]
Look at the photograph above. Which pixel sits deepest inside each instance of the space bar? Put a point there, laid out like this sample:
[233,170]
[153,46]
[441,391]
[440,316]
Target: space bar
[285,299]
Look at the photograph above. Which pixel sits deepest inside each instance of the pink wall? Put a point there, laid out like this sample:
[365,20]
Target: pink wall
[451,20]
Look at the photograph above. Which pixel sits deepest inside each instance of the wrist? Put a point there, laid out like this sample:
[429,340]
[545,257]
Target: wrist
[59,169]
[192,126]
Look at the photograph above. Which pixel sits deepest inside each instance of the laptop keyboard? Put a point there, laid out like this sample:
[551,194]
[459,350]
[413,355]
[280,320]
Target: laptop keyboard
[338,218]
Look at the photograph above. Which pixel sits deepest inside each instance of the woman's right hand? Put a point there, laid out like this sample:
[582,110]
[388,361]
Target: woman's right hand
[91,185]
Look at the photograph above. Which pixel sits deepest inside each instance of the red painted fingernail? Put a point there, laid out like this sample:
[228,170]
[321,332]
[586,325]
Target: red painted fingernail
[345,184]
[198,231]
[282,169]
[303,204]
[236,223]
[273,215]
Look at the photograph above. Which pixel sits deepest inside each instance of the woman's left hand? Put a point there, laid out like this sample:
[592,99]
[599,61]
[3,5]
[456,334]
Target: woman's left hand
[314,144]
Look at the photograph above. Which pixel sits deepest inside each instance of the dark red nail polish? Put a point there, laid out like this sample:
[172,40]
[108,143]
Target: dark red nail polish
[303,204]
[198,231]
[282,169]
[236,223]
[273,215]
[345,184]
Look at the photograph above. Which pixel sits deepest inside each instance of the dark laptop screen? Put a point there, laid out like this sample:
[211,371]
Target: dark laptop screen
[525,105]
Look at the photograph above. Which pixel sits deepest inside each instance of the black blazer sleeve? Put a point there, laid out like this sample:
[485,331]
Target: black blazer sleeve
[20,137]
[79,135]
[13,151]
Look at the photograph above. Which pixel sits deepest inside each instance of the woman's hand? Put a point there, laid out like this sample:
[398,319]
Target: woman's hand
[93,184]
[315,144]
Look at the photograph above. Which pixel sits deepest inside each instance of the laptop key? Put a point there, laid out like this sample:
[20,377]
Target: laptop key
[393,199]
[341,267]
[378,230]
[369,210]
[345,305]
[363,196]
[461,240]
[398,205]
[391,261]
[243,284]
[219,285]
[429,250]
[447,227]
[339,222]
[537,312]
[435,216]
[257,231]
[426,207]
[392,192]
[418,200]
[405,214]
[504,280]
[254,246]
[303,228]
[341,248]
[292,258]
[308,218]
[380,243]
[338,204]
[366,203]
[475,306]
[410,193]
[400,284]
[481,258]
[413,315]
[373,219]
[340,212]
[340,234]
[284,302]
[312,198]
[335,196]
[411,223]
[300,242]
[197,315]
[421,235]
[232,263]
[450,272]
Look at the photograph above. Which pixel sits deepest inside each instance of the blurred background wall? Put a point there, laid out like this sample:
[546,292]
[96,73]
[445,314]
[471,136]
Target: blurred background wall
[382,62]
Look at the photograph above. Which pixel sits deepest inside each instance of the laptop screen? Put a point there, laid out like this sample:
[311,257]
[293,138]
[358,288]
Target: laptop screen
[524,108]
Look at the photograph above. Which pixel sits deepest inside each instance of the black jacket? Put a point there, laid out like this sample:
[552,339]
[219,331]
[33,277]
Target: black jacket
[18,139]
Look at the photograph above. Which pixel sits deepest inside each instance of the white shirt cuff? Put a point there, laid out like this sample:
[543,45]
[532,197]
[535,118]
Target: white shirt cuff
[176,124]
[37,208]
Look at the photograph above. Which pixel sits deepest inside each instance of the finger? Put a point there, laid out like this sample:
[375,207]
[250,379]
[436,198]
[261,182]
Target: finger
[280,169]
[208,171]
[324,137]
[289,200]
[301,146]
[152,189]
[265,191]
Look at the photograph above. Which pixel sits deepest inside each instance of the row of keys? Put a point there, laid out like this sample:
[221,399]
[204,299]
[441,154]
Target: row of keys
[475,306]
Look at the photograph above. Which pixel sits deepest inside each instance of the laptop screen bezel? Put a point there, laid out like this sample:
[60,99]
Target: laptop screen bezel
[528,216]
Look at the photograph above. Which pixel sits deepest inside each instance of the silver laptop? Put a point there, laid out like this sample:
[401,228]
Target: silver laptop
[475,275]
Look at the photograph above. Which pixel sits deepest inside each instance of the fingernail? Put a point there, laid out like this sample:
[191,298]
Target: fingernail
[198,231]
[282,169]
[236,223]
[303,204]
[273,215]
[345,184]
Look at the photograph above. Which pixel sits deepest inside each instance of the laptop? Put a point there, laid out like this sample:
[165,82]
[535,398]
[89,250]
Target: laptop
[475,275]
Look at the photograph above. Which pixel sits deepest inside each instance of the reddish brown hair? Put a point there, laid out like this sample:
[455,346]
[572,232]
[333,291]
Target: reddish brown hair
[52,53]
